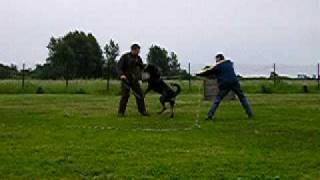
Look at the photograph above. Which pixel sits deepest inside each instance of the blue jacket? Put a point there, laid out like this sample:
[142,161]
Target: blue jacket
[225,73]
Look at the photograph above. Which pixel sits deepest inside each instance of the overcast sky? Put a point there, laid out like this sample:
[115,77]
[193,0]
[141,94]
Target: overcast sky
[248,31]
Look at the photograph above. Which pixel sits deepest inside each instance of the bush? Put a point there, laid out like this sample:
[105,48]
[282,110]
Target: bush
[80,91]
[305,89]
[40,90]
[266,90]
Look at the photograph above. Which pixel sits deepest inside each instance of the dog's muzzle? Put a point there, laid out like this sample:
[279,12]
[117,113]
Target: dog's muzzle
[145,76]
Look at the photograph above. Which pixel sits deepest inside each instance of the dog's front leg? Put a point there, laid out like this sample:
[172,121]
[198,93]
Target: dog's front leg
[147,91]
[163,110]
[163,105]
[172,104]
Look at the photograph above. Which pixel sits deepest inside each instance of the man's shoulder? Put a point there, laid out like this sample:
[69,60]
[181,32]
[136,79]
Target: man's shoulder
[126,54]
[225,62]
[229,61]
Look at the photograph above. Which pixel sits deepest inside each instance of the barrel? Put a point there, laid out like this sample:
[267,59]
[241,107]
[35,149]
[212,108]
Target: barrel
[210,90]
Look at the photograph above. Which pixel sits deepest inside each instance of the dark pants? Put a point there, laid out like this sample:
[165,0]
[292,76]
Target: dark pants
[223,91]
[125,94]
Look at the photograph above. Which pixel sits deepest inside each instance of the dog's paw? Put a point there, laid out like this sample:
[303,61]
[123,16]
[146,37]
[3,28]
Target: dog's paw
[162,111]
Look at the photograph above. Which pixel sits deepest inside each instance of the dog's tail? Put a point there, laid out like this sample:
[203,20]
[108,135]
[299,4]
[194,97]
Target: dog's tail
[178,88]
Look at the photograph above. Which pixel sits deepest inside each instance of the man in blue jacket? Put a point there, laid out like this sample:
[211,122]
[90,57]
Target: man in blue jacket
[227,81]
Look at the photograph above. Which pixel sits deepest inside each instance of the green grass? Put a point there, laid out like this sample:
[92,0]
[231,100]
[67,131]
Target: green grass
[80,136]
[98,87]
[282,87]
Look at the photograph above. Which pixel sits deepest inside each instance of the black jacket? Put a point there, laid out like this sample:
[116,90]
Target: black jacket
[130,66]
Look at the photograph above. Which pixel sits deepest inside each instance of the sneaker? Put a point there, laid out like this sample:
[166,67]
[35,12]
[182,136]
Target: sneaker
[209,118]
[251,116]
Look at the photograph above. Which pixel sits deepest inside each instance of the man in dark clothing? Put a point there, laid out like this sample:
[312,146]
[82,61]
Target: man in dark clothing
[227,81]
[130,68]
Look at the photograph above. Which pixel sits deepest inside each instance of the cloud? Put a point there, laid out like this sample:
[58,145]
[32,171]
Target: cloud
[263,32]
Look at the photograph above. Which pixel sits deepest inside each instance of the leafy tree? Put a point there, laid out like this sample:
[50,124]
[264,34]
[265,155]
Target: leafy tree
[174,65]
[8,72]
[169,64]
[159,56]
[78,53]
[111,51]
[43,72]
[88,54]
[63,58]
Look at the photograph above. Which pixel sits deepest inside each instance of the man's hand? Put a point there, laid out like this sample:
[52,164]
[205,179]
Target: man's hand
[123,77]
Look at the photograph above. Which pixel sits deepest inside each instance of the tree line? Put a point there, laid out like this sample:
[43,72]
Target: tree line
[8,72]
[78,55]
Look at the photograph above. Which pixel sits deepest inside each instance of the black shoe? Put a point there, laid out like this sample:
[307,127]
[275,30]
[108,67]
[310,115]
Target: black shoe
[122,115]
[209,118]
[251,116]
[145,114]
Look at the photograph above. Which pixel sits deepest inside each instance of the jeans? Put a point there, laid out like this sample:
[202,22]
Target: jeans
[223,91]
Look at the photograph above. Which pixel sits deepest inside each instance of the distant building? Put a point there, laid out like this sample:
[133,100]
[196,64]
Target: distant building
[303,76]
[314,76]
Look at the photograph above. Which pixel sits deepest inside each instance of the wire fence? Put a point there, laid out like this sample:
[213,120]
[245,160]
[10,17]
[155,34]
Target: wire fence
[254,70]
[273,72]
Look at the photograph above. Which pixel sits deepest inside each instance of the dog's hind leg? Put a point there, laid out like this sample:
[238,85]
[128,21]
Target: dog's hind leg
[172,105]
[163,105]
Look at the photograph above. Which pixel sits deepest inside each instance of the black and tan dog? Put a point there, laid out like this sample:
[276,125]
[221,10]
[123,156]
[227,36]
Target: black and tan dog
[155,83]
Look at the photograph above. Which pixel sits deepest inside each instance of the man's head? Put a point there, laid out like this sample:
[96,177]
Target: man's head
[220,57]
[135,49]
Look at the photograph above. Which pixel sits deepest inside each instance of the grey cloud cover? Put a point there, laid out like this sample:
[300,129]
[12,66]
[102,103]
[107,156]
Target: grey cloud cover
[249,31]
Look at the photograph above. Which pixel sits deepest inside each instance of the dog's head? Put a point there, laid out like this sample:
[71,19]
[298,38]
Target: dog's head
[153,71]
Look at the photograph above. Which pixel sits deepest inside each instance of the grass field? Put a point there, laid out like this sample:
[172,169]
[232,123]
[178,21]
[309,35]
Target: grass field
[65,136]
[98,87]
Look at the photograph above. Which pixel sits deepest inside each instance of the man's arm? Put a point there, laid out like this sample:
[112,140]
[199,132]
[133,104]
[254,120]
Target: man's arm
[140,63]
[121,67]
[208,72]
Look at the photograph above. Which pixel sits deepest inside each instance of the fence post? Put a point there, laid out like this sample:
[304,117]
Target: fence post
[318,76]
[189,76]
[108,74]
[274,74]
[23,75]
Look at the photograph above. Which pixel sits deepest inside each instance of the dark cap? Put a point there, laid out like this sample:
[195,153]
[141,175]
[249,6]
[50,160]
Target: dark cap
[220,56]
[135,46]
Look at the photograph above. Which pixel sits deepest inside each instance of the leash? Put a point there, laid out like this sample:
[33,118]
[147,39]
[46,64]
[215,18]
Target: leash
[127,85]
[197,120]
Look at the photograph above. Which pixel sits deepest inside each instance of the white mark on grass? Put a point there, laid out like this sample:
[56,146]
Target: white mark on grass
[132,129]
[196,125]
[197,121]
